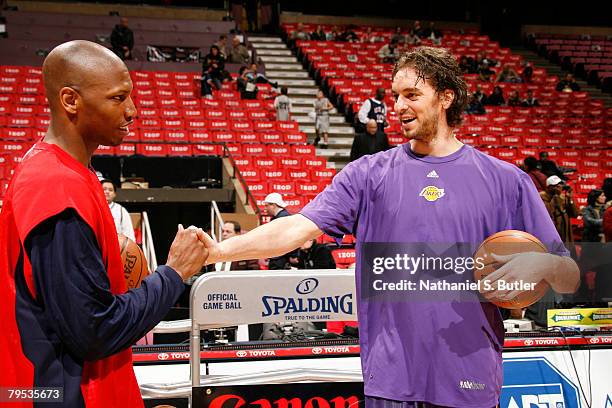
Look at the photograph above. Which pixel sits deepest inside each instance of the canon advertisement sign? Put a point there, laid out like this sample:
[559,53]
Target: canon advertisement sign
[299,395]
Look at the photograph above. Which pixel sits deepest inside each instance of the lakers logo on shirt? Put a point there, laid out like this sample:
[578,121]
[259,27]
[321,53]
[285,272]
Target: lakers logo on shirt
[432,193]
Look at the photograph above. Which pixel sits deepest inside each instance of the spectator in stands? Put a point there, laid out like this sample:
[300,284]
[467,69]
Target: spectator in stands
[412,38]
[527,72]
[348,35]
[388,52]
[239,54]
[275,208]
[282,104]
[568,84]
[560,204]
[549,167]
[231,229]
[475,106]
[478,94]
[465,64]
[433,34]
[607,224]
[123,221]
[508,74]
[318,34]
[371,37]
[246,84]
[213,69]
[122,39]
[514,99]
[322,106]
[397,36]
[261,78]
[532,167]
[222,45]
[417,29]
[373,108]
[530,101]
[607,189]
[333,34]
[595,257]
[484,65]
[496,98]
[592,215]
[252,8]
[372,141]
[299,33]
[312,255]
[482,59]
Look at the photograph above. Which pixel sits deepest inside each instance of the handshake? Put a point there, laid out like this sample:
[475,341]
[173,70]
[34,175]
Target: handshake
[190,250]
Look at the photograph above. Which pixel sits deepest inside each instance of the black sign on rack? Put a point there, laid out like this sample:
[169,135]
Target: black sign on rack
[298,395]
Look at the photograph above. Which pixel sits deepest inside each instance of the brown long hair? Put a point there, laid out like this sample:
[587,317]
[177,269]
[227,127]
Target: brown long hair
[440,68]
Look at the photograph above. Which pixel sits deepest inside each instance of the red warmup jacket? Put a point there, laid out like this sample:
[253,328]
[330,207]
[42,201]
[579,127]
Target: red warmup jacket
[47,182]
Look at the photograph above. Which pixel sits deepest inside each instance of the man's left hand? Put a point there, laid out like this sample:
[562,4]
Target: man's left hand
[524,268]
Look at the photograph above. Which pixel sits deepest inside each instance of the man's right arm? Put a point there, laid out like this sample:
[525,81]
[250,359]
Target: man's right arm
[363,112]
[270,240]
[72,283]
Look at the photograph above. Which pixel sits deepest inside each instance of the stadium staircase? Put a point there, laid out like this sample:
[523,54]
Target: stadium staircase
[283,67]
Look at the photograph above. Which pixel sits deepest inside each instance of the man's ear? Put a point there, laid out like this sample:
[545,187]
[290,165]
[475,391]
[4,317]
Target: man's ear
[70,100]
[447,97]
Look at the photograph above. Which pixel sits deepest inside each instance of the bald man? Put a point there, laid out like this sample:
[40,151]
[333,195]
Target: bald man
[67,319]
[373,140]
[122,39]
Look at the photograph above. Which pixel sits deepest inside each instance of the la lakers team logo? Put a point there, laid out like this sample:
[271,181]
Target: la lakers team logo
[432,193]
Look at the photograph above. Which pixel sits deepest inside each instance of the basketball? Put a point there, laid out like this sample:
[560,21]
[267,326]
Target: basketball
[135,267]
[507,243]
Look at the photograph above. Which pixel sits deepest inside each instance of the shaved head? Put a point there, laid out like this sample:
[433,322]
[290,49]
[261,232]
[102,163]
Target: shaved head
[88,88]
[371,126]
[78,65]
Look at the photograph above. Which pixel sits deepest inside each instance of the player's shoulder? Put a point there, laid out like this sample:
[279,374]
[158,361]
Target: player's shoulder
[41,168]
[496,166]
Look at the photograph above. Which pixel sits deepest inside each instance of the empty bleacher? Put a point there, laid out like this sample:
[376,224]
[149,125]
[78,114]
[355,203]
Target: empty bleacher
[587,57]
[573,128]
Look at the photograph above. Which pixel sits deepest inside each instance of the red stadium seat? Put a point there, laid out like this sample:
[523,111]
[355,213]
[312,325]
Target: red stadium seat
[259,188]
[200,149]
[277,150]
[224,137]
[271,137]
[248,137]
[150,136]
[283,187]
[267,163]
[174,136]
[180,150]
[290,163]
[298,174]
[311,163]
[105,150]
[303,150]
[254,150]
[250,174]
[152,149]
[344,257]
[196,124]
[294,137]
[125,149]
[200,136]
[275,174]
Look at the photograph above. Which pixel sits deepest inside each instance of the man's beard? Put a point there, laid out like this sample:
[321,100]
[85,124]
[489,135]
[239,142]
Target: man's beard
[427,130]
